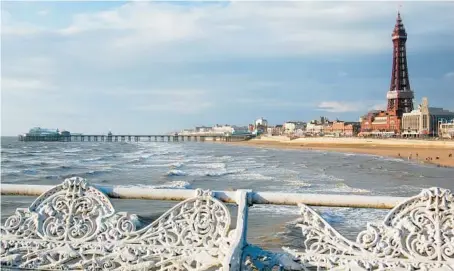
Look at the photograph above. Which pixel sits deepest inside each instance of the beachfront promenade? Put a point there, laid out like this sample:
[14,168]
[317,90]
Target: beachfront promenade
[75,226]
[133,138]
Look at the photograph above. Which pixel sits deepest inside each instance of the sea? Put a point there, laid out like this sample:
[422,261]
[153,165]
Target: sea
[220,166]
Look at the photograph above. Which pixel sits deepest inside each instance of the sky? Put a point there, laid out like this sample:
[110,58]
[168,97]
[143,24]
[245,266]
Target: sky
[155,67]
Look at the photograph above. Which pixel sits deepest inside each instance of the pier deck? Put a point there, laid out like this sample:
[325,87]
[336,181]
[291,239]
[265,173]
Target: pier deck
[134,138]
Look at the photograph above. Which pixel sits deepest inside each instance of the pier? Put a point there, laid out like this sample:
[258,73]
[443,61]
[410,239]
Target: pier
[134,138]
[74,226]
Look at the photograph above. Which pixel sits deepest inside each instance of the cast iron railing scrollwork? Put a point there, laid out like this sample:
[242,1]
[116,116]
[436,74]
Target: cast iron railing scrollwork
[74,226]
[418,234]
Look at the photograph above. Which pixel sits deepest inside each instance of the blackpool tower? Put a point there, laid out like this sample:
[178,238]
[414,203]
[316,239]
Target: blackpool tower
[400,95]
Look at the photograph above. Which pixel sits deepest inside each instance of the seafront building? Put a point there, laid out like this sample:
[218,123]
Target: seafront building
[276,130]
[425,121]
[446,130]
[203,129]
[342,128]
[294,127]
[38,131]
[44,134]
[313,128]
[399,97]
[261,126]
[317,127]
[219,130]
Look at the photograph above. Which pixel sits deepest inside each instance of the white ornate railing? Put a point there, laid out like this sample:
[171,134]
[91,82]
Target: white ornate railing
[74,226]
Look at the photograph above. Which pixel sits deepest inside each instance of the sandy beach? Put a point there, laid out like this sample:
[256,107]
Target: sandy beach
[440,153]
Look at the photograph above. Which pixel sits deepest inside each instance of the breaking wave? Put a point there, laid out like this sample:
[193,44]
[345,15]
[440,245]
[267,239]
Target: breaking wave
[169,185]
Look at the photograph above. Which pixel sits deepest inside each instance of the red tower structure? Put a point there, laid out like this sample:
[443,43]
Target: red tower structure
[400,96]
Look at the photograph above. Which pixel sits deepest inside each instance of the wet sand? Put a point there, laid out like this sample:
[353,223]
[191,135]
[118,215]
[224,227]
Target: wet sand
[438,153]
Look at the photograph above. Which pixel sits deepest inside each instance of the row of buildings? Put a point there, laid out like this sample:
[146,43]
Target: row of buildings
[322,127]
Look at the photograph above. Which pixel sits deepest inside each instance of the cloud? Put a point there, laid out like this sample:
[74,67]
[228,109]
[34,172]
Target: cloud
[339,107]
[271,103]
[342,74]
[24,84]
[43,12]
[379,106]
[180,107]
[253,28]
[360,106]
[449,75]
[179,101]
[12,27]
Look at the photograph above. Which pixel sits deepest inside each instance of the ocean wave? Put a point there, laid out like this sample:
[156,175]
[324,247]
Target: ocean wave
[12,151]
[347,188]
[167,153]
[351,217]
[209,165]
[169,185]
[253,176]
[174,185]
[45,162]
[10,172]
[30,171]
[202,158]
[291,186]
[217,173]
[332,217]
[167,165]
[72,150]
[331,178]
[93,159]
[298,184]
[275,209]
[176,172]
[142,166]
[134,161]
[388,159]
[87,174]
[57,168]
[52,177]
[6,161]
[204,173]
[176,165]
[146,156]
[97,172]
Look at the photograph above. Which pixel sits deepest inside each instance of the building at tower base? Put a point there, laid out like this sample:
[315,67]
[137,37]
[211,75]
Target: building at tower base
[379,123]
[425,121]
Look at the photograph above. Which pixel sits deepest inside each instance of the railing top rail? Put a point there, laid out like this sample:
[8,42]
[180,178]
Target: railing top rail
[255,197]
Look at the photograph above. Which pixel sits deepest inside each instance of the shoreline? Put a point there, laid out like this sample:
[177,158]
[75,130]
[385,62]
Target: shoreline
[424,152]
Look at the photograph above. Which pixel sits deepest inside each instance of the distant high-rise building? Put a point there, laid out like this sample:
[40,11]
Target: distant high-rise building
[400,96]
